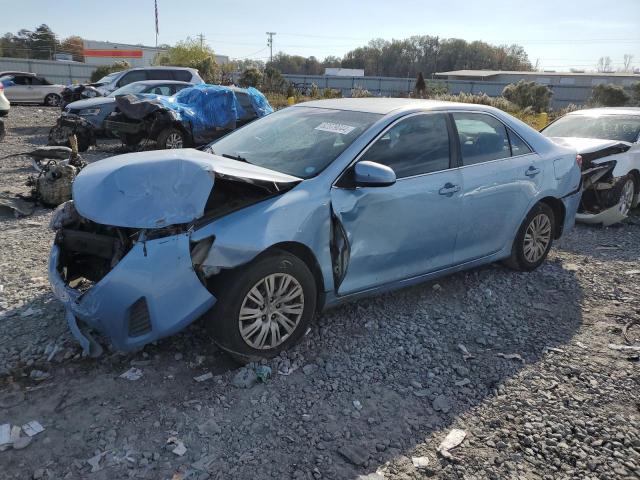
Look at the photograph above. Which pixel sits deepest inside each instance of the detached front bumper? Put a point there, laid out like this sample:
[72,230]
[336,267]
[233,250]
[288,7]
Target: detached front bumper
[606,217]
[153,292]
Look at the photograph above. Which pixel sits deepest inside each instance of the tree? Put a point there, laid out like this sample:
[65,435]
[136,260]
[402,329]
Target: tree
[528,95]
[627,63]
[609,95]
[43,43]
[420,88]
[251,77]
[75,46]
[604,64]
[273,81]
[191,53]
[103,70]
[635,88]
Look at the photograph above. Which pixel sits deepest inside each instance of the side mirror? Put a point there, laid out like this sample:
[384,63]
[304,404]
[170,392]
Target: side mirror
[372,174]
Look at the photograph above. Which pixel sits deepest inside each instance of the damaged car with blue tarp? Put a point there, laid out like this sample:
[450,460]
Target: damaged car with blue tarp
[192,117]
[306,208]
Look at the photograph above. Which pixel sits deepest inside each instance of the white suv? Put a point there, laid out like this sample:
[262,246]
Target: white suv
[4,103]
[111,82]
[31,88]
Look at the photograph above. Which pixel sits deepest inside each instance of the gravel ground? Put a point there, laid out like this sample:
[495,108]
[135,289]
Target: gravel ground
[520,362]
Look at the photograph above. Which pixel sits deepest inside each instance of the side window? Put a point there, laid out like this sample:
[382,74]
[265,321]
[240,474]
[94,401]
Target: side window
[159,75]
[134,76]
[22,80]
[518,147]
[181,75]
[482,138]
[38,81]
[161,90]
[417,145]
[177,88]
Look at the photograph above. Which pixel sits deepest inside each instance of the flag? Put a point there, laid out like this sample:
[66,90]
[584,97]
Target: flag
[157,30]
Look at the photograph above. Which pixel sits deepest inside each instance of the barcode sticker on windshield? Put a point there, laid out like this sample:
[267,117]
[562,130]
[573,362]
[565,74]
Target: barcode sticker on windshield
[335,128]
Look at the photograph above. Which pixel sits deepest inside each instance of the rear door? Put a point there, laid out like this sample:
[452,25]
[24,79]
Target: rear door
[500,177]
[409,228]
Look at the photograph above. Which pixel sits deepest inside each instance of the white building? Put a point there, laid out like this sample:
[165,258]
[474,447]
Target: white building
[344,72]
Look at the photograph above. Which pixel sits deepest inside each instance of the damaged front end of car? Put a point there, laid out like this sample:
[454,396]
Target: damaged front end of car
[605,181]
[124,262]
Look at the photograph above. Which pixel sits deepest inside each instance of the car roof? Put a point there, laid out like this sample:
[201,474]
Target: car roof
[596,112]
[161,68]
[385,106]
[162,82]
[12,72]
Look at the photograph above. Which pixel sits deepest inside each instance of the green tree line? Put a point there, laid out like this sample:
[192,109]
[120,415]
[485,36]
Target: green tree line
[40,44]
[408,57]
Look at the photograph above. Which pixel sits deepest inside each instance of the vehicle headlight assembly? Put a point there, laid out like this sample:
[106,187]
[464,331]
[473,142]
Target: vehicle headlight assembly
[90,111]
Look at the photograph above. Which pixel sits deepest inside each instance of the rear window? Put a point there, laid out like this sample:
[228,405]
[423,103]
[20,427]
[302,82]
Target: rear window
[625,128]
[182,75]
[159,75]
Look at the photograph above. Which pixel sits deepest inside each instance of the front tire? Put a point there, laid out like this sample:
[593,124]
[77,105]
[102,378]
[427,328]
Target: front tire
[172,138]
[534,239]
[626,194]
[52,100]
[263,307]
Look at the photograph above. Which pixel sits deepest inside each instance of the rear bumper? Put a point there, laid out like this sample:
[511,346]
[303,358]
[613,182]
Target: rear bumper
[571,203]
[153,292]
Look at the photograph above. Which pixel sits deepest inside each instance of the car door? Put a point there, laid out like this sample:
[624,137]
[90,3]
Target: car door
[38,90]
[17,90]
[500,177]
[409,228]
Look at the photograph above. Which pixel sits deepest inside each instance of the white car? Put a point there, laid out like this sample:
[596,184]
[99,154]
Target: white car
[4,103]
[115,80]
[608,139]
[31,88]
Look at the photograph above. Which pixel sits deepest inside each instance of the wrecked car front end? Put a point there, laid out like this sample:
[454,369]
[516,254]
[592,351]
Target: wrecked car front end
[132,272]
[607,168]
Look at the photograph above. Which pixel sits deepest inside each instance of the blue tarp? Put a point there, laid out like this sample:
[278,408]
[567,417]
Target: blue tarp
[209,106]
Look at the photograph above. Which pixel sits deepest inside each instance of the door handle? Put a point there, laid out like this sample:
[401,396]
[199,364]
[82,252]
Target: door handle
[449,189]
[532,171]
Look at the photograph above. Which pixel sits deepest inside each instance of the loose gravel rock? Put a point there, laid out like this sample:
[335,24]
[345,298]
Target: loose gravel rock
[569,409]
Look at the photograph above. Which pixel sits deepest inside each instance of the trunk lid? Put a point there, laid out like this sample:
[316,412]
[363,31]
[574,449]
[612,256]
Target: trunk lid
[159,188]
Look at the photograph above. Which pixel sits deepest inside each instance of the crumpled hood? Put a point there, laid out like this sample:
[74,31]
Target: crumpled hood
[162,187]
[590,145]
[90,103]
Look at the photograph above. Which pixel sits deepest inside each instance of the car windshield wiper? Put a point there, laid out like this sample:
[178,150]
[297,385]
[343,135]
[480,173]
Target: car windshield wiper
[235,157]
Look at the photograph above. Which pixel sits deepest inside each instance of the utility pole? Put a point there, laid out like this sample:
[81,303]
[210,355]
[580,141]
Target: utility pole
[270,45]
[201,37]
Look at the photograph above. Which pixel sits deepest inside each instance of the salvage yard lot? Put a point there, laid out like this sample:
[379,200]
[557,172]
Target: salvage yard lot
[521,362]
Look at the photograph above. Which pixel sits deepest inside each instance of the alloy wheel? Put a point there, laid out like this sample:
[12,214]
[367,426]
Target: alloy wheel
[271,311]
[52,100]
[626,197]
[537,238]
[174,140]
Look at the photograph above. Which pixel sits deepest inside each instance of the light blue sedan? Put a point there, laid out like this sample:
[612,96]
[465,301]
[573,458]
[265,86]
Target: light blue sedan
[309,207]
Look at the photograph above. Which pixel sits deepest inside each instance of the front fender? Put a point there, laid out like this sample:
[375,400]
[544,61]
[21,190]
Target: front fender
[299,215]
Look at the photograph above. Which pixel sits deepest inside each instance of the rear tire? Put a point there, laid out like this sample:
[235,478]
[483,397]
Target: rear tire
[52,100]
[263,307]
[534,239]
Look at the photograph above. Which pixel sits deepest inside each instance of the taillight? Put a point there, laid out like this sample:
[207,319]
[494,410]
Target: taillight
[1,87]
[579,161]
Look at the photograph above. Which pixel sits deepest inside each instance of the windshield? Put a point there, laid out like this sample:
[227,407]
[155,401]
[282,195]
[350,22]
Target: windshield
[299,141]
[624,128]
[136,87]
[108,78]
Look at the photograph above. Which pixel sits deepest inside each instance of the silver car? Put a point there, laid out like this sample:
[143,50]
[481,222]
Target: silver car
[31,88]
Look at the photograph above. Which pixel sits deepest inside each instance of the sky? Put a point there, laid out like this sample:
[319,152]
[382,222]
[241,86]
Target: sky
[558,34]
